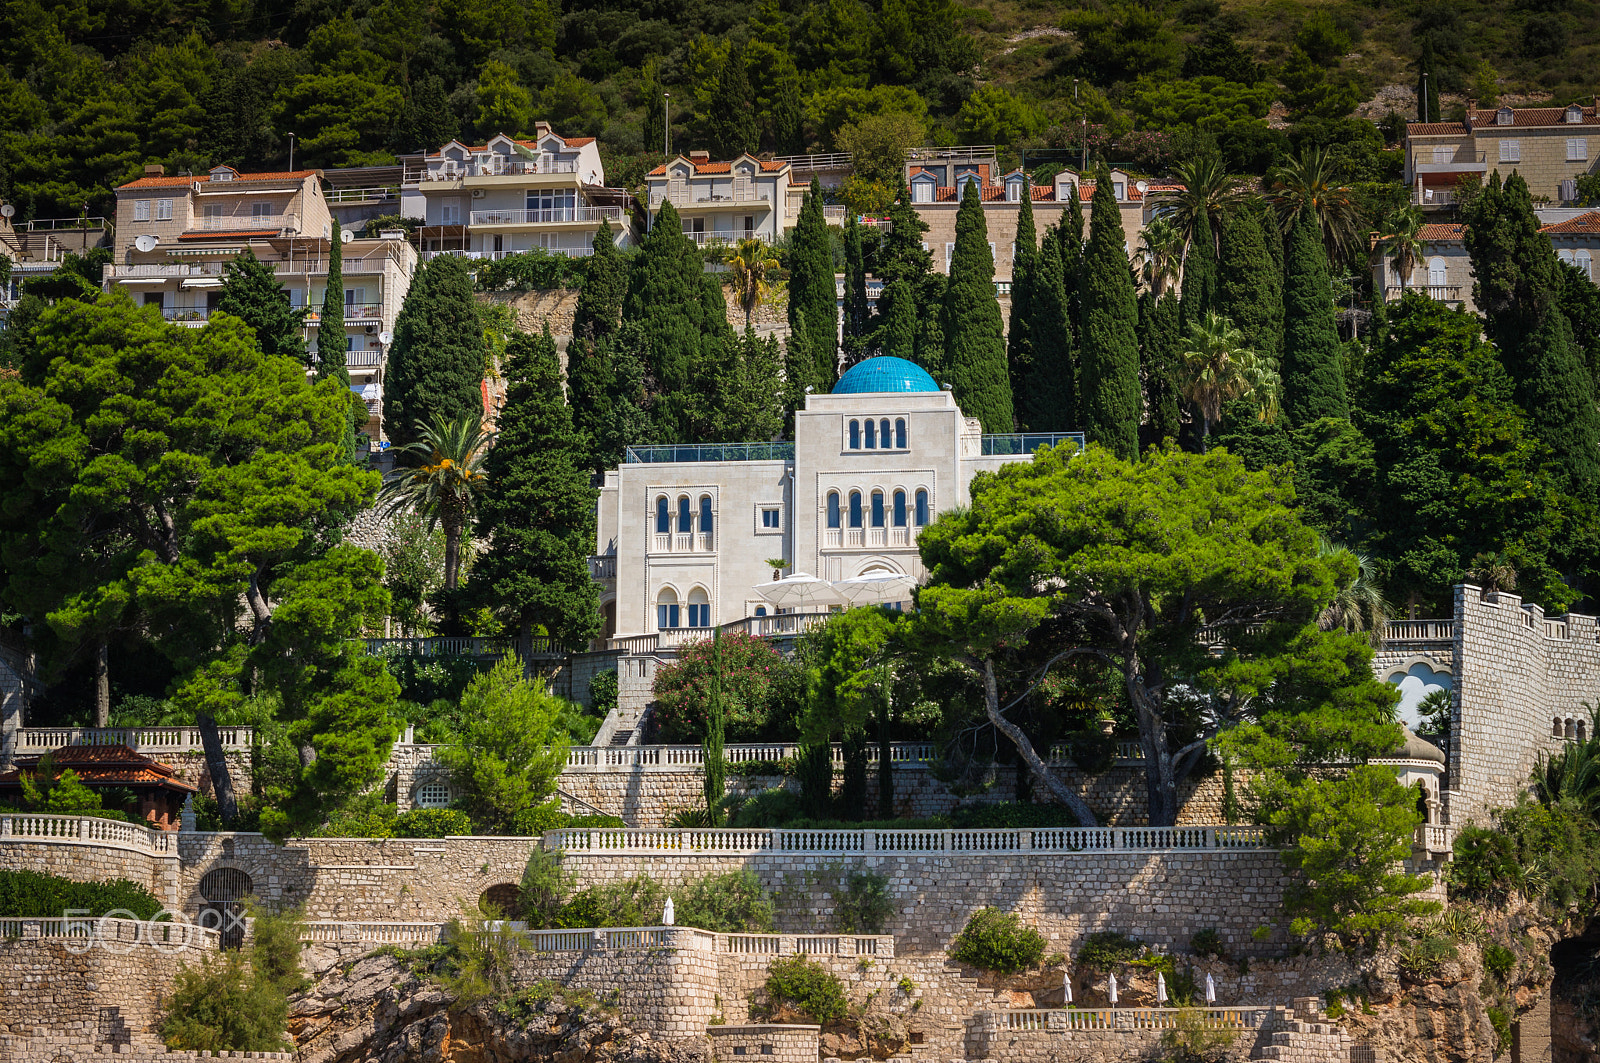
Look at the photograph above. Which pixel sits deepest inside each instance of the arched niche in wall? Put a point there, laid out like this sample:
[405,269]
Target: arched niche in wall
[1417,678]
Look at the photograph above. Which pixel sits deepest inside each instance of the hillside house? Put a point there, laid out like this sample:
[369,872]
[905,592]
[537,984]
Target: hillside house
[1550,146]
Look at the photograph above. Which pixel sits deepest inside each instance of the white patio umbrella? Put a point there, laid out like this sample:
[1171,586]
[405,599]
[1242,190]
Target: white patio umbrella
[668,915]
[800,589]
[1211,990]
[1111,986]
[1066,988]
[875,588]
[1161,988]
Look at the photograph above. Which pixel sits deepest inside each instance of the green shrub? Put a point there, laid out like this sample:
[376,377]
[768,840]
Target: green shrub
[998,941]
[1192,1037]
[431,823]
[532,822]
[863,905]
[1502,1029]
[1425,957]
[1207,943]
[1485,864]
[478,966]
[275,949]
[603,693]
[544,889]
[1498,960]
[1109,948]
[731,903]
[33,894]
[628,902]
[221,1005]
[803,987]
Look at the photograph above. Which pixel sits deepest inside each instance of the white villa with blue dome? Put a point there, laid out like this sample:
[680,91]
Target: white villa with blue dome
[685,532]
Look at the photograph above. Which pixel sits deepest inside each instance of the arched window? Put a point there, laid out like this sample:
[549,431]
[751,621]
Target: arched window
[667,609]
[922,507]
[855,435]
[833,509]
[761,610]
[705,514]
[1583,731]
[1564,255]
[899,509]
[872,436]
[1584,262]
[1555,728]
[685,519]
[663,516]
[699,608]
[877,509]
[855,509]
[1437,274]
[900,434]
[883,432]
[432,795]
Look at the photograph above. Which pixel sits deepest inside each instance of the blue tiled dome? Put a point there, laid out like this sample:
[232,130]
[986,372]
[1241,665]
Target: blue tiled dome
[884,374]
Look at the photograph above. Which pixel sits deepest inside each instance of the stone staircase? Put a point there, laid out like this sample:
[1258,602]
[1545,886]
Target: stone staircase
[1302,1035]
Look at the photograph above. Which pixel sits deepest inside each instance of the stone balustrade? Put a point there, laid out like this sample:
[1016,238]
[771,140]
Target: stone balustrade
[880,946]
[33,741]
[117,935]
[84,830]
[1127,1019]
[330,931]
[623,841]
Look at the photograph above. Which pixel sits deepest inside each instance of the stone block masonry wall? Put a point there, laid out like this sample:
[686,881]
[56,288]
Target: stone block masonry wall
[1162,898]
[670,990]
[96,863]
[1516,672]
[95,997]
[781,1044]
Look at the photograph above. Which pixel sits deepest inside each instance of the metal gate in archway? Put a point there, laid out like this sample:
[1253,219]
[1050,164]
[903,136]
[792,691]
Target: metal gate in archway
[222,896]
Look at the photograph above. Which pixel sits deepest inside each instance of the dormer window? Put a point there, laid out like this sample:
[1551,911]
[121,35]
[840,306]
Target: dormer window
[1014,190]
[223,173]
[1574,115]
[922,187]
[963,181]
[1121,189]
[1504,116]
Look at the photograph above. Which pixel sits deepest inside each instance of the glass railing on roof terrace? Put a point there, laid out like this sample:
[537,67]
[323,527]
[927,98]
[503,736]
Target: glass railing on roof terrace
[1026,442]
[710,452]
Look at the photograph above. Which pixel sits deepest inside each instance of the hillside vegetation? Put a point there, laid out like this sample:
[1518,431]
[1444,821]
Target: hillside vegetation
[90,92]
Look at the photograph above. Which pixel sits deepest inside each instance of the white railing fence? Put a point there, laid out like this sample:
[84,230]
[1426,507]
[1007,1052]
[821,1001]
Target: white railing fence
[33,740]
[112,933]
[691,842]
[1061,1020]
[85,830]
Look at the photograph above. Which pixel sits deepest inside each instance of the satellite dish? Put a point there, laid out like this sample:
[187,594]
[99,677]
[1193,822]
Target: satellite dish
[386,338]
[7,210]
[145,242]
[347,235]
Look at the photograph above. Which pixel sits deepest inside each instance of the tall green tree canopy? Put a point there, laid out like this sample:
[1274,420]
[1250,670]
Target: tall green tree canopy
[1083,554]
[1046,387]
[1313,363]
[975,348]
[1109,355]
[436,363]
[250,290]
[813,306]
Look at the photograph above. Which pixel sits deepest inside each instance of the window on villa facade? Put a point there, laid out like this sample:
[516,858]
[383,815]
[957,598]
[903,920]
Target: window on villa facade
[855,435]
[163,210]
[1443,155]
[922,506]
[883,432]
[667,609]
[1577,149]
[663,516]
[1438,275]
[922,192]
[685,518]
[699,608]
[1584,263]
[771,518]
[899,509]
[872,435]
[877,509]
[833,509]
[141,210]
[1511,151]
[855,509]
[432,795]
[705,514]
[900,433]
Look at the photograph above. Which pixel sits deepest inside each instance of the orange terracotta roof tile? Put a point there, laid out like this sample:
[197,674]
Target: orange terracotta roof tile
[106,765]
[1436,129]
[767,166]
[1441,232]
[244,178]
[1526,117]
[1583,225]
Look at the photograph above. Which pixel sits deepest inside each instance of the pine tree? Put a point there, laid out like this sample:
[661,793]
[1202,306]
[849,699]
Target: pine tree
[857,322]
[732,121]
[1018,349]
[605,282]
[538,510]
[667,300]
[1249,286]
[1313,365]
[813,304]
[436,363]
[250,290]
[330,326]
[1199,274]
[1159,355]
[1047,393]
[1556,391]
[974,343]
[1110,314]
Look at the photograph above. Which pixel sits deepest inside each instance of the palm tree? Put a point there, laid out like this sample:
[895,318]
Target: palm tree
[750,261]
[440,477]
[1160,254]
[1359,606]
[1218,367]
[1313,182]
[1402,241]
[1206,188]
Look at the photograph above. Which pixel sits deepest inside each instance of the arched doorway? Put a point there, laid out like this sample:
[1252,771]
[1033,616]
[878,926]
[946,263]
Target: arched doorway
[222,896]
[504,899]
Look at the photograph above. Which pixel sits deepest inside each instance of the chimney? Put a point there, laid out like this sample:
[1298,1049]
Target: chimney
[699,156]
[155,169]
[1472,105]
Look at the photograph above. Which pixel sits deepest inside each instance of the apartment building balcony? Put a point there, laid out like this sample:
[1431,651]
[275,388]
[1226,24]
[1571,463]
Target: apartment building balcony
[693,200]
[719,236]
[603,570]
[1434,198]
[205,225]
[349,197]
[1456,161]
[695,542]
[491,173]
[565,252]
[554,217]
[1442,293]
[187,316]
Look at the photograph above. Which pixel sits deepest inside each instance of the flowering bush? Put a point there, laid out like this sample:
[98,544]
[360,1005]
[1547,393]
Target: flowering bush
[758,689]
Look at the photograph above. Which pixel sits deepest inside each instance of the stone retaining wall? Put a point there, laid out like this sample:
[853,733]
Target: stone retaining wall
[91,862]
[96,997]
[669,990]
[781,1044]
[1162,898]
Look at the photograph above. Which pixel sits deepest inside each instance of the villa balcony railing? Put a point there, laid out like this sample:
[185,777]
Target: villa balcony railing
[693,198]
[361,195]
[543,646]
[519,167]
[709,452]
[1024,442]
[244,222]
[493,256]
[1442,293]
[193,316]
[1433,197]
[546,216]
[185,739]
[603,567]
[372,359]
[836,160]
[363,312]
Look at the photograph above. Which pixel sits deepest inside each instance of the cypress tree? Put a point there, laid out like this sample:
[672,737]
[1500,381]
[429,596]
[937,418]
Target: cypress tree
[538,510]
[1110,316]
[1159,355]
[436,362]
[250,290]
[1069,244]
[896,334]
[605,282]
[716,767]
[1313,366]
[606,378]
[1047,392]
[666,298]
[330,327]
[856,308]
[1018,350]
[974,343]
[1249,291]
[1558,395]
[732,121]
[1427,94]
[813,355]
[1199,274]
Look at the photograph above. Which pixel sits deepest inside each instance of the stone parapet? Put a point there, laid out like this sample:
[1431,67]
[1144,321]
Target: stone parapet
[781,1044]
